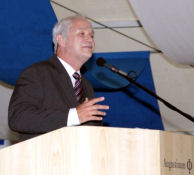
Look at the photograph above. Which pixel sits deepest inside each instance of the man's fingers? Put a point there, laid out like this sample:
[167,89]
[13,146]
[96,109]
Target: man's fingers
[95,118]
[94,101]
[89,110]
[98,118]
[96,112]
[93,108]
[100,107]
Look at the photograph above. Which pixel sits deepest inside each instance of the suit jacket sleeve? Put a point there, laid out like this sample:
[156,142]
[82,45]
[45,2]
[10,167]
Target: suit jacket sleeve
[27,112]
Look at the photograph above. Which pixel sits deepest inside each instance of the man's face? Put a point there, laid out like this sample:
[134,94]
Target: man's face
[80,43]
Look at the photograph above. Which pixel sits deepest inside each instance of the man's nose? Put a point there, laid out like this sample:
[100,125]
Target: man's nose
[89,38]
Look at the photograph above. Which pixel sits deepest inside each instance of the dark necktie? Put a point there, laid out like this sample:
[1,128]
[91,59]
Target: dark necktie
[78,87]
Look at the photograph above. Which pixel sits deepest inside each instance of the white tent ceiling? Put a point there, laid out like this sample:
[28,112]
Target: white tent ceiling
[113,13]
[170,24]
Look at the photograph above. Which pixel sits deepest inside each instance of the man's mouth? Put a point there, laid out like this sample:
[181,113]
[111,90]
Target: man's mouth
[88,47]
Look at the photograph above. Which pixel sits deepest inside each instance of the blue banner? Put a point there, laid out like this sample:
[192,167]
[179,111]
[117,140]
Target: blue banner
[26,35]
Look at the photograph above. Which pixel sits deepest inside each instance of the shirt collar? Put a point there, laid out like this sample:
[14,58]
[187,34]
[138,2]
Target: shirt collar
[68,67]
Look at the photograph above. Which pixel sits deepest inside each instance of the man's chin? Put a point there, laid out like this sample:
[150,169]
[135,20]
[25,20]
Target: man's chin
[87,56]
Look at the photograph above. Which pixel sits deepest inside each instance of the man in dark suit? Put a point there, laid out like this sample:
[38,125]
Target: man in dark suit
[45,97]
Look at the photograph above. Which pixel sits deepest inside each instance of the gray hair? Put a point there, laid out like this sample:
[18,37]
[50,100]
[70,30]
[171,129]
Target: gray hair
[63,27]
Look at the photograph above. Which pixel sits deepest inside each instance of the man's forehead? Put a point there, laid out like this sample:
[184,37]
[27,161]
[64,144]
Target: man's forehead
[86,28]
[82,25]
[81,21]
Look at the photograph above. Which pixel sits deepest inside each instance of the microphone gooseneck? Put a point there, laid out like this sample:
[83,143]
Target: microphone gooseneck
[102,62]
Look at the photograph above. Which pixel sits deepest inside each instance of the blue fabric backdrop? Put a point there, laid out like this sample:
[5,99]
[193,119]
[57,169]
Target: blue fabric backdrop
[25,32]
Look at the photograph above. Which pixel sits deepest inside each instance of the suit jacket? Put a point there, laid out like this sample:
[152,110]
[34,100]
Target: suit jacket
[42,98]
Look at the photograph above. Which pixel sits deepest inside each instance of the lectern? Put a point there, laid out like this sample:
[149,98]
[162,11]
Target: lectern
[85,150]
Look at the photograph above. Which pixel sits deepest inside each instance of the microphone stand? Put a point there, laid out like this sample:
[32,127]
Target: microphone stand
[126,76]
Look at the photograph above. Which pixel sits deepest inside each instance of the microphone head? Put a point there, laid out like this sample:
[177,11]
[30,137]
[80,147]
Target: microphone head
[100,61]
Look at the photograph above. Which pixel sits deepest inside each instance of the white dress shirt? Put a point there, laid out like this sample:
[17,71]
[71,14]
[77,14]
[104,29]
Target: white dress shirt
[73,118]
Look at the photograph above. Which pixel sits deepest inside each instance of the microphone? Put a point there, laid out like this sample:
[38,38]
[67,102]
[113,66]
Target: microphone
[102,62]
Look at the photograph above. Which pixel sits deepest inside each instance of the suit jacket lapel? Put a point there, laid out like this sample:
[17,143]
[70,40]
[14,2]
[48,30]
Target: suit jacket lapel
[64,81]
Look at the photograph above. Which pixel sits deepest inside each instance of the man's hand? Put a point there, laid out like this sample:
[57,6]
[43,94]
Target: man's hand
[89,110]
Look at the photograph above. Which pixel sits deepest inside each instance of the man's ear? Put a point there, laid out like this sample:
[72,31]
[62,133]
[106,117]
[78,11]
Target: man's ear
[60,40]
